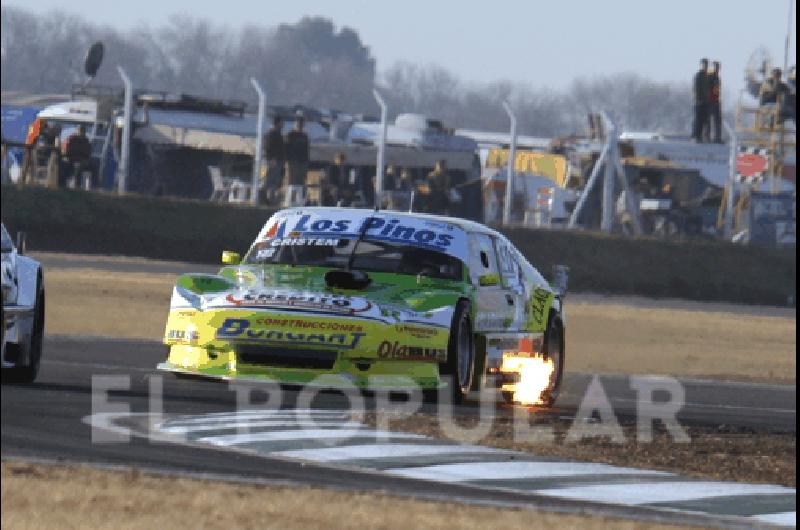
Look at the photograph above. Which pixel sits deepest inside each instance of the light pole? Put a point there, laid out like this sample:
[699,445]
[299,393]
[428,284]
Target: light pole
[730,199]
[512,157]
[381,149]
[262,111]
[127,117]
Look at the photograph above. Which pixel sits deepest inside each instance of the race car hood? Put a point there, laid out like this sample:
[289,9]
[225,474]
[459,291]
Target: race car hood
[391,298]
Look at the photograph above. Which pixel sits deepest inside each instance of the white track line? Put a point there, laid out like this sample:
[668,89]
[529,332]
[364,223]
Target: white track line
[224,416]
[174,422]
[783,518]
[185,429]
[353,452]
[650,492]
[515,470]
[321,434]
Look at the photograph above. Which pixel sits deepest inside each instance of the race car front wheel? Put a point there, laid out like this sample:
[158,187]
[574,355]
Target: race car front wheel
[27,374]
[461,352]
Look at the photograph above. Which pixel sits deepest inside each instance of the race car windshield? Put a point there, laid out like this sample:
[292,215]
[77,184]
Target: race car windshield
[6,239]
[370,256]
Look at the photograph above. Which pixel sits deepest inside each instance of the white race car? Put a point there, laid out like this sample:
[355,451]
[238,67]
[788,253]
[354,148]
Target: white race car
[23,313]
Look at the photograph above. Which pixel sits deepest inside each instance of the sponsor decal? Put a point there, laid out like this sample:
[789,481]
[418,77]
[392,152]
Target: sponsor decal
[538,305]
[395,350]
[419,332]
[182,335]
[295,240]
[375,228]
[306,324]
[338,304]
[238,329]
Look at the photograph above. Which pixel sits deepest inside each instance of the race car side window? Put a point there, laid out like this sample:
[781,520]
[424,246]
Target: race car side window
[510,271]
[482,260]
[529,272]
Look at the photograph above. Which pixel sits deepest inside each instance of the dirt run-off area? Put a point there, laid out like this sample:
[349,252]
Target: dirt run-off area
[717,453]
[49,496]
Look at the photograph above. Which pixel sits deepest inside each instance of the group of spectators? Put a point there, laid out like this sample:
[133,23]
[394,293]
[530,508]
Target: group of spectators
[780,96]
[287,158]
[341,184]
[707,105]
[68,161]
[775,95]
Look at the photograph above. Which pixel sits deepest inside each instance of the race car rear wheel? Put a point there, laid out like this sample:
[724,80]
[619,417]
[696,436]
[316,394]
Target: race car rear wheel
[554,349]
[461,352]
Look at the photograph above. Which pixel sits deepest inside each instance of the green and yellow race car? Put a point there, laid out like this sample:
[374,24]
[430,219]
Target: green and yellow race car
[373,299]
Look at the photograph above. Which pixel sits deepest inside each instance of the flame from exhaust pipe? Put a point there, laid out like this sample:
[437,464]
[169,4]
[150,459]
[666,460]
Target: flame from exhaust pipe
[534,375]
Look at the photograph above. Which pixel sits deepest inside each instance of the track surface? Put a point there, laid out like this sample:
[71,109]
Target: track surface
[44,420]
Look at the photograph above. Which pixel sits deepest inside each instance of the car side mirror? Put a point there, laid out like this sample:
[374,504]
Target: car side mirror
[560,279]
[22,240]
[487,280]
[230,257]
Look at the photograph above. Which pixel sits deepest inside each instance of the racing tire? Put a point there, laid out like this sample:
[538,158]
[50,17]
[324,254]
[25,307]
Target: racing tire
[27,374]
[554,349]
[461,353]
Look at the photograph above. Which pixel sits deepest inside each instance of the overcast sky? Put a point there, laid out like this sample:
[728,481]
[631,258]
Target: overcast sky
[543,43]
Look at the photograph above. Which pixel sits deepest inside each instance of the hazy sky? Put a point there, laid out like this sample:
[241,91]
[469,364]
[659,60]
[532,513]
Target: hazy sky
[545,43]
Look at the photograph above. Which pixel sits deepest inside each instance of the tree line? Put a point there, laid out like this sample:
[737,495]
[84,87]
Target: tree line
[315,63]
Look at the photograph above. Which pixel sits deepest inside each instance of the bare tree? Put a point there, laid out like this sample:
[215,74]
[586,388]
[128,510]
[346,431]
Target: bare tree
[315,63]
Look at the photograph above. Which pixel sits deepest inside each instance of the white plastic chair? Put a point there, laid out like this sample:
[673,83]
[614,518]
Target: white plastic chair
[222,185]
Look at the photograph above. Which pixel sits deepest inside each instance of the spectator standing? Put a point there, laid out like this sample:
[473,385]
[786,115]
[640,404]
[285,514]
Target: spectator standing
[774,93]
[337,187]
[437,200]
[297,154]
[406,180]
[714,106]
[275,155]
[701,94]
[78,152]
[29,158]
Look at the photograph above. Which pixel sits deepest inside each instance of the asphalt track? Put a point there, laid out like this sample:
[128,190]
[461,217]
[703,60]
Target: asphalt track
[45,421]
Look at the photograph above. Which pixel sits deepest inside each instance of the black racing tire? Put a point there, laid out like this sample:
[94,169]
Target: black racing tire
[461,353]
[554,349]
[28,374]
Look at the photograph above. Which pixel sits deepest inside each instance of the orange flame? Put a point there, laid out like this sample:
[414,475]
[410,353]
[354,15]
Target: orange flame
[533,377]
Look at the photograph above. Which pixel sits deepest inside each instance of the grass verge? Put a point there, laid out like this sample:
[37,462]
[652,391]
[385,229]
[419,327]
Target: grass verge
[78,221]
[604,335]
[49,496]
